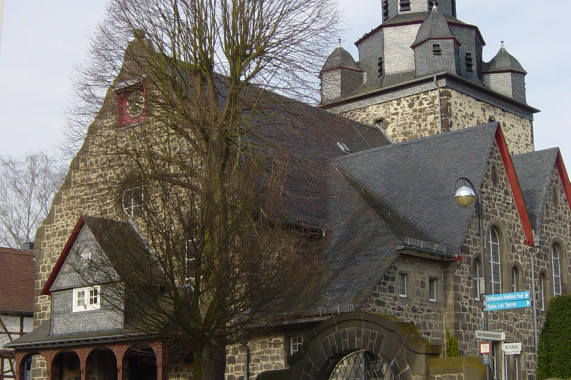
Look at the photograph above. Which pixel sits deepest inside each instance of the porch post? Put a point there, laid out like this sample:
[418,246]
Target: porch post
[119,351]
[161,359]
[83,353]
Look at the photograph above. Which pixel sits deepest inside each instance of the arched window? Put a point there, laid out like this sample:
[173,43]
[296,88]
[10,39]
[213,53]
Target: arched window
[478,279]
[556,265]
[542,296]
[495,261]
[515,279]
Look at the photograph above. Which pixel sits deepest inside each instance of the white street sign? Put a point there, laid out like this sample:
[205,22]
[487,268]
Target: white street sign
[491,335]
[512,348]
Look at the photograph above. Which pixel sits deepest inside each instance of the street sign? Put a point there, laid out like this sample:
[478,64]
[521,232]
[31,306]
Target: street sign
[486,359]
[491,335]
[511,348]
[484,348]
[505,305]
[517,296]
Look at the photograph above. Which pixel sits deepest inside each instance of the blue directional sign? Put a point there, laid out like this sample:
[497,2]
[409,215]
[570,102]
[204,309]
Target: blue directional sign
[508,296]
[505,305]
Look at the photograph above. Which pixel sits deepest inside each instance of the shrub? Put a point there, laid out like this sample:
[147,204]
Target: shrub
[452,350]
[554,352]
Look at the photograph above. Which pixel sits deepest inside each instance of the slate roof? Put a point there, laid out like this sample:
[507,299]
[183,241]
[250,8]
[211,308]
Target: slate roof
[411,184]
[306,138]
[123,246]
[534,171]
[504,61]
[40,337]
[17,270]
[433,27]
[340,58]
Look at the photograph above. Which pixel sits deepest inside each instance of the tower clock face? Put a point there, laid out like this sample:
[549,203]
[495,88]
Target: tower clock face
[135,103]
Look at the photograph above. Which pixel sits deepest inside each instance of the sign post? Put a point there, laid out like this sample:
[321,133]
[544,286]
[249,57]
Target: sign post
[506,301]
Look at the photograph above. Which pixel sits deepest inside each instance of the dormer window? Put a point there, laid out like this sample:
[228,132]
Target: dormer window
[85,299]
[404,5]
[469,62]
[436,49]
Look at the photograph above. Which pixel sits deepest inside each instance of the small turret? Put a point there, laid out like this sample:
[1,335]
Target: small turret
[340,76]
[435,47]
[505,75]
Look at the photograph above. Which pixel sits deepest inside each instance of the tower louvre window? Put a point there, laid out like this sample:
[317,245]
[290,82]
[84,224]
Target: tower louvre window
[385,10]
[436,49]
[405,5]
[469,62]
[380,66]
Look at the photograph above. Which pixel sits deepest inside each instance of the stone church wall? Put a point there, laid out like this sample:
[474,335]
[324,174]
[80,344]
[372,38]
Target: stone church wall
[414,116]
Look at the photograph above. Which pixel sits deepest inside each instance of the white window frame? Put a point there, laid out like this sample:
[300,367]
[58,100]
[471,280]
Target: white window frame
[556,269]
[515,279]
[402,280]
[133,205]
[478,279]
[86,299]
[432,289]
[495,261]
[295,343]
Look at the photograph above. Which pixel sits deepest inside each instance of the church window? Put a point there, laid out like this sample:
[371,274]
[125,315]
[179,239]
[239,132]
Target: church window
[295,343]
[555,196]
[515,279]
[405,5]
[478,279]
[133,200]
[556,265]
[432,282]
[495,261]
[385,10]
[469,62]
[85,299]
[402,284]
[436,49]
[542,297]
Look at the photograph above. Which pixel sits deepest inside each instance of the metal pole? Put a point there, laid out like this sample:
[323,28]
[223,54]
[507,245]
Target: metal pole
[483,247]
[533,256]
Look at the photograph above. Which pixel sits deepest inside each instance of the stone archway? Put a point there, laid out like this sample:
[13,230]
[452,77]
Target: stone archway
[397,344]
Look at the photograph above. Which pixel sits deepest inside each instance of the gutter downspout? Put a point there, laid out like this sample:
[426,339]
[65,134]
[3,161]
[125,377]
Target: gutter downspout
[439,105]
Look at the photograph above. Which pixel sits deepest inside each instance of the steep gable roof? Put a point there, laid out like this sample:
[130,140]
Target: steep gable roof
[411,184]
[534,171]
[434,27]
[119,242]
[17,269]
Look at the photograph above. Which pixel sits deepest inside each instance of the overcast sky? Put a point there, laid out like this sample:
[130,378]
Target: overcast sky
[41,41]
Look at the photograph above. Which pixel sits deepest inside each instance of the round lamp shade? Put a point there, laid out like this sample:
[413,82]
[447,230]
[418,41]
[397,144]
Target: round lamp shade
[465,196]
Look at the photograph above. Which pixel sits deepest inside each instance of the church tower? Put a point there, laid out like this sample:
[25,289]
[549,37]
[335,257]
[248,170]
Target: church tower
[422,72]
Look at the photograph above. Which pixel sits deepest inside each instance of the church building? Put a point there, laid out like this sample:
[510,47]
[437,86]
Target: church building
[436,206]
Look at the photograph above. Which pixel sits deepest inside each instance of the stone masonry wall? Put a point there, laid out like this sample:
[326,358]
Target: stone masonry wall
[464,311]
[417,116]
[415,307]
[403,119]
[266,353]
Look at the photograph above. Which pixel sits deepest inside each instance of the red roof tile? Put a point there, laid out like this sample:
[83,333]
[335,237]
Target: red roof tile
[17,271]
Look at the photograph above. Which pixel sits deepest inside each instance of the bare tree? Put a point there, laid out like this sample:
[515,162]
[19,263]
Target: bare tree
[205,172]
[27,187]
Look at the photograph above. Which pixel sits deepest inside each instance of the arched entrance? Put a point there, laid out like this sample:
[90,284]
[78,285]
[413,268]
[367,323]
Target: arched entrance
[362,365]
[140,362]
[359,346]
[65,365]
[101,365]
